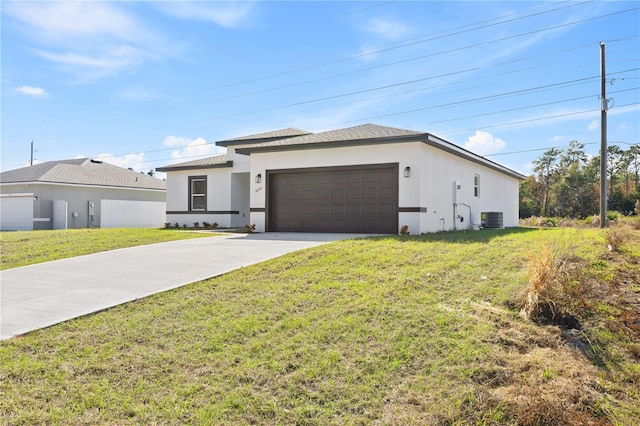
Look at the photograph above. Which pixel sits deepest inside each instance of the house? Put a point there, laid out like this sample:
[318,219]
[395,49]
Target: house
[363,179]
[79,193]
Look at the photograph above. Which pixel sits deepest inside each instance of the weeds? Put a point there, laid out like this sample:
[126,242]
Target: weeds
[616,237]
[554,286]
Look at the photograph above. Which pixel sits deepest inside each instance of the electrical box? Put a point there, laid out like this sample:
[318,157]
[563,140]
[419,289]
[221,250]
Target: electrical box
[92,208]
[75,214]
[491,220]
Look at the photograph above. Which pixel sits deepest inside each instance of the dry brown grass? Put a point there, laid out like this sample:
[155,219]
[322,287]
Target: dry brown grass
[555,289]
[616,237]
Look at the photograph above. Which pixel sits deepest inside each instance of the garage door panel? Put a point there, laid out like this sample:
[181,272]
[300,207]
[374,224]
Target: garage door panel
[337,209]
[338,193]
[370,193]
[386,177]
[354,177]
[363,199]
[338,178]
[385,193]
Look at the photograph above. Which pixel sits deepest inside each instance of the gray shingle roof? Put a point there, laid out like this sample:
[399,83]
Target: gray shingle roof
[365,131]
[282,133]
[202,163]
[82,171]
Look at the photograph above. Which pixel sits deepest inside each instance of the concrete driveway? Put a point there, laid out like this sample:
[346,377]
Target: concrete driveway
[38,296]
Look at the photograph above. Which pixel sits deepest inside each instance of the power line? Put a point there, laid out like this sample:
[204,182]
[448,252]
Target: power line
[411,59]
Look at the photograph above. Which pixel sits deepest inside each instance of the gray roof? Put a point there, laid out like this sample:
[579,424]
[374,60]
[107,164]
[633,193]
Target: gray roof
[203,163]
[369,132]
[82,171]
[363,135]
[276,134]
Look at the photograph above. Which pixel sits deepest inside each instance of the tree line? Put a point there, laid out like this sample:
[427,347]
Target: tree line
[566,182]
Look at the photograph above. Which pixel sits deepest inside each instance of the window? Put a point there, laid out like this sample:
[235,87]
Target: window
[198,193]
[476,185]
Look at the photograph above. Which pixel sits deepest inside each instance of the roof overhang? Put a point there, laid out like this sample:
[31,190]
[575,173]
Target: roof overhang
[195,167]
[426,138]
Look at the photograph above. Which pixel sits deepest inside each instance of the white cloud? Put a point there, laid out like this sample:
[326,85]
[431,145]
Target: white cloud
[387,28]
[32,91]
[558,139]
[484,143]
[224,14]
[64,20]
[191,149]
[594,125]
[89,39]
[133,161]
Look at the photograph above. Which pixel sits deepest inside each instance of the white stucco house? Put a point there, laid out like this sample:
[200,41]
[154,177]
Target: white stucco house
[363,179]
[79,193]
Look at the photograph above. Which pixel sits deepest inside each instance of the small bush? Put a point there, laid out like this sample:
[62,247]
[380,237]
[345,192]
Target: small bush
[616,237]
[404,230]
[556,289]
[215,225]
[167,224]
[184,225]
[206,224]
[196,224]
[176,225]
[250,228]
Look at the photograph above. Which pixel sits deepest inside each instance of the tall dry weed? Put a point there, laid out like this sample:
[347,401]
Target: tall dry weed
[555,287]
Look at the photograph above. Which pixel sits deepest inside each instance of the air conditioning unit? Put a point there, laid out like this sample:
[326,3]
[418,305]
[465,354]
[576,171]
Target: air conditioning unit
[491,220]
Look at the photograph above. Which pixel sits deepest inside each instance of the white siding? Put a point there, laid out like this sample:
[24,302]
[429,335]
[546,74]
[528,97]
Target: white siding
[430,186]
[132,214]
[219,200]
[16,212]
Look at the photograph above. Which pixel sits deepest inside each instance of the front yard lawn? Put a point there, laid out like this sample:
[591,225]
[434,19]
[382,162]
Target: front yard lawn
[389,330]
[23,248]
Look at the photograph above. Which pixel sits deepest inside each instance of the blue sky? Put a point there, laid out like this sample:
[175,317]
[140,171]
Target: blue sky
[147,84]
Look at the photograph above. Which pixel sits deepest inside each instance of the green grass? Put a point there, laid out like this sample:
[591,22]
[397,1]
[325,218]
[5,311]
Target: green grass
[29,247]
[390,330]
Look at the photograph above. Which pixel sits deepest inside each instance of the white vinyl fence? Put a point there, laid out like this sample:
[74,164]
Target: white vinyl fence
[132,214]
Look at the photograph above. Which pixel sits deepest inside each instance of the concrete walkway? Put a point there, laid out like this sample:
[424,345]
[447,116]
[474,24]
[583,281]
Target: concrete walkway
[41,295]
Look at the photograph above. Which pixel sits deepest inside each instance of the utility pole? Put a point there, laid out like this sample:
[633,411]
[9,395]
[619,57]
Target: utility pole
[603,140]
[31,162]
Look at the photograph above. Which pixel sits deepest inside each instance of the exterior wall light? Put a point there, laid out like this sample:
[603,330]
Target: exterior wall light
[407,171]
[258,178]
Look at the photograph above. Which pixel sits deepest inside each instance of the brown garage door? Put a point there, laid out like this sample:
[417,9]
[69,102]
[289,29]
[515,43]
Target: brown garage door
[362,199]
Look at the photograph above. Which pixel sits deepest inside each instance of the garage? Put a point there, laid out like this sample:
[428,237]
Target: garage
[354,199]
[16,212]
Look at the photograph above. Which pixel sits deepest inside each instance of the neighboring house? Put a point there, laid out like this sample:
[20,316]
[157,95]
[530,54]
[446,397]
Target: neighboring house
[363,179]
[79,193]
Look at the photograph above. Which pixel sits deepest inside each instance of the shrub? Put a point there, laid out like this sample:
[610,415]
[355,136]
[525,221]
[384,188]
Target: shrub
[250,228]
[404,230]
[616,237]
[176,225]
[215,225]
[167,224]
[196,224]
[206,224]
[556,289]
[184,225]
